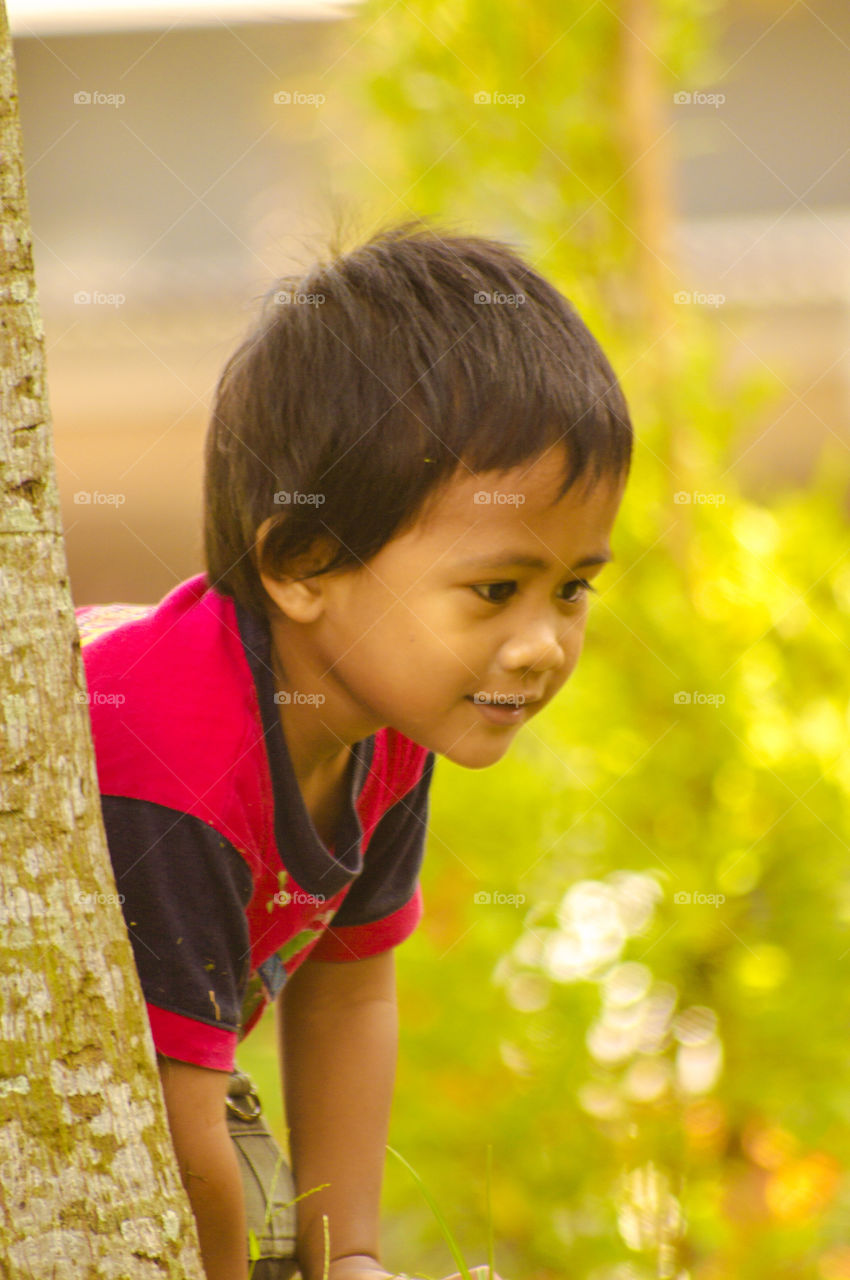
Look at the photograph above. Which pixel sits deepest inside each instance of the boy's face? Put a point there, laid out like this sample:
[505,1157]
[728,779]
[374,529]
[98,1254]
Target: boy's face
[422,640]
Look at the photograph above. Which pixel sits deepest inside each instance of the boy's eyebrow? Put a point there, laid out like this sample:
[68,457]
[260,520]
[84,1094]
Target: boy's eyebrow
[510,559]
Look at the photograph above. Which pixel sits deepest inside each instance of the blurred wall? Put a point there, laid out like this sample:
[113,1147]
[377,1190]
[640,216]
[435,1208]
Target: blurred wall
[763,186]
[173,210]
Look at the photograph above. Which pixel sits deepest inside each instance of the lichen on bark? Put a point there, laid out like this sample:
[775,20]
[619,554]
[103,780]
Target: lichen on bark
[89,1186]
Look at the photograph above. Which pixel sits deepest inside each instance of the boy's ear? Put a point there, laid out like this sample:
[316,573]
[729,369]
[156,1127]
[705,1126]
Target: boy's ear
[301,600]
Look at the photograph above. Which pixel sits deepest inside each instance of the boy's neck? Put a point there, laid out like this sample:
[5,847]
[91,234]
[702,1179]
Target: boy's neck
[318,735]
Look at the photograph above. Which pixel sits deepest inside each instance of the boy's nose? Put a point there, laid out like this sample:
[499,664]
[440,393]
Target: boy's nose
[539,648]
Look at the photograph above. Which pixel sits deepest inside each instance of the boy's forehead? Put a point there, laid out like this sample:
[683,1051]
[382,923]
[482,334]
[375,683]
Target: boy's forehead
[486,511]
[467,493]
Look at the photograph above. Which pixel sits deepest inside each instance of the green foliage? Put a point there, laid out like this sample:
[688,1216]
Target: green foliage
[662,1081]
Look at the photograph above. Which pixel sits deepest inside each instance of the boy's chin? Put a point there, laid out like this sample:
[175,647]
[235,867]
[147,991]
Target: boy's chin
[481,754]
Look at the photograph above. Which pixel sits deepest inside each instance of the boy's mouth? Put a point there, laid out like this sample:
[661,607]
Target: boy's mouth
[502,699]
[502,709]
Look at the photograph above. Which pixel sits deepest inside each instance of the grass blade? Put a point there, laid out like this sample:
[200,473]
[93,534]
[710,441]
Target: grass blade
[435,1209]
[489,1211]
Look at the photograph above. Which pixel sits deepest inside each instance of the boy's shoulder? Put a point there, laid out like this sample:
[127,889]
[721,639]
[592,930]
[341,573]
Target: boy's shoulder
[96,621]
[160,662]
[169,697]
[174,698]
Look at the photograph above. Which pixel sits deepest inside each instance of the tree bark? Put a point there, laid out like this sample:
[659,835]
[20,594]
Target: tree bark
[89,1185]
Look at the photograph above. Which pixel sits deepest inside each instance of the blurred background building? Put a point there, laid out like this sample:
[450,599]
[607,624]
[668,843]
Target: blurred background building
[170,181]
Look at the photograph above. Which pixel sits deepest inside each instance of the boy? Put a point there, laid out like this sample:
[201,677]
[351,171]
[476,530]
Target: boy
[413,468]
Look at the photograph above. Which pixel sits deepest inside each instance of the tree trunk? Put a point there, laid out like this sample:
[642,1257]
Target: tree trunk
[89,1185]
[648,164]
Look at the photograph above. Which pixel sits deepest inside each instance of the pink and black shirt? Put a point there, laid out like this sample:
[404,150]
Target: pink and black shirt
[227,887]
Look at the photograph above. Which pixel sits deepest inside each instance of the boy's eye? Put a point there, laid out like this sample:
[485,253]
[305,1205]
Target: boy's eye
[583,587]
[499,587]
[573,591]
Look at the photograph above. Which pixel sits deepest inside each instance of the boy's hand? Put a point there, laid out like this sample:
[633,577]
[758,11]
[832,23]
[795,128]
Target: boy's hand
[357,1267]
[363,1267]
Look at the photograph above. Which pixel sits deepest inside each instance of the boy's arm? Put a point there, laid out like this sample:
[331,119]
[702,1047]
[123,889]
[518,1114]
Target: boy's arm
[338,1035]
[195,1102]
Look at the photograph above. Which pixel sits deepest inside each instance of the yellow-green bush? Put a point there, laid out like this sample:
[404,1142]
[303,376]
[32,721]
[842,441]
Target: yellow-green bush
[663,1082]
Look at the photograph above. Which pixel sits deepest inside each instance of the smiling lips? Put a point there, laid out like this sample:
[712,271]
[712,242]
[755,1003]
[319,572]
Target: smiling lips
[501,710]
[502,699]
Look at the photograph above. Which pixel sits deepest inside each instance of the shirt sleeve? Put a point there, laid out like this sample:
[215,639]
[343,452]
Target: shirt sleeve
[384,904]
[183,890]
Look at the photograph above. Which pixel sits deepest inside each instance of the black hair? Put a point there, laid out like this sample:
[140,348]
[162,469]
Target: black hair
[367,383]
